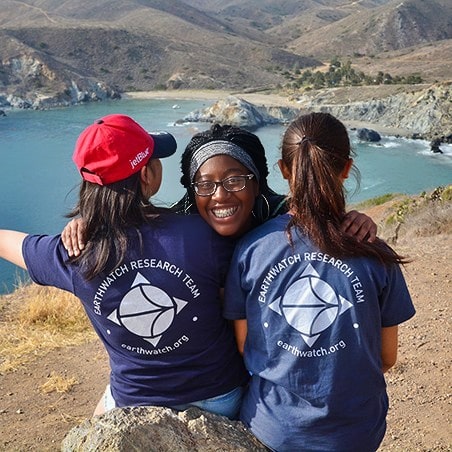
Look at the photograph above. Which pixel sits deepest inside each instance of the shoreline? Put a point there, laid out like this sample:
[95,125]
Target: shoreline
[269,100]
[259,99]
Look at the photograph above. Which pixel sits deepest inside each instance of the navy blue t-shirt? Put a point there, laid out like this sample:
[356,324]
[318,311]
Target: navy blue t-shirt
[314,340]
[158,314]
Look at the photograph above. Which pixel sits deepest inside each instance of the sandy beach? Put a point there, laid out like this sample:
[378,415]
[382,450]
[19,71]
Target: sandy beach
[214,95]
[256,98]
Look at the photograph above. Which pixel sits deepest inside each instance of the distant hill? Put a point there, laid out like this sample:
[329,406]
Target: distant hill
[73,51]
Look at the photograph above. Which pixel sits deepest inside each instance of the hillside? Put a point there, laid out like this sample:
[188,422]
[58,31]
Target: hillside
[61,52]
[56,375]
[134,46]
[393,25]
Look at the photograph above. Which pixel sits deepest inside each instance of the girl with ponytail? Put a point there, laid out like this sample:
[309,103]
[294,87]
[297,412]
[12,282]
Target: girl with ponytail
[315,311]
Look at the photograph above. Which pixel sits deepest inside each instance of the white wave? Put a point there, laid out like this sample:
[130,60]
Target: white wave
[372,185]
[392,144]
[445,156]
[446,148]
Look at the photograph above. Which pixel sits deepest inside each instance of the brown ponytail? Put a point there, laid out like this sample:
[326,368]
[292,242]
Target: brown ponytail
[315,152]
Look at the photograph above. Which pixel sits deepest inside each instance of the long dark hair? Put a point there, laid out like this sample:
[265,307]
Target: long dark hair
[110,211]
[316,150]
[265,208]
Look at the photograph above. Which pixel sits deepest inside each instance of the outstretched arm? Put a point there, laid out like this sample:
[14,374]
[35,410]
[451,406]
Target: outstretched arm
[11,246]
[360,226]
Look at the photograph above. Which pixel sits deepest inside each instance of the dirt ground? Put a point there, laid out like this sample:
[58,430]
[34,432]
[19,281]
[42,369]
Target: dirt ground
[419,386]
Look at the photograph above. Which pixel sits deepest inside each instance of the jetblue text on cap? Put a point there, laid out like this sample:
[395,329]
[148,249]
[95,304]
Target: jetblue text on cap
[139,158]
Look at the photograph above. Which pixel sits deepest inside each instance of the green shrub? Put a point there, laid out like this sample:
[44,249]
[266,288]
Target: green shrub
[447,193]
[376,201]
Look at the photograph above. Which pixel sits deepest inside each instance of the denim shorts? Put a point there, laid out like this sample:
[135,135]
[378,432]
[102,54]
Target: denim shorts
[109,401]
[225,405]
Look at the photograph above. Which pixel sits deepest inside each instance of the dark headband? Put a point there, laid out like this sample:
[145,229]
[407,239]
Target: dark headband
[220,147]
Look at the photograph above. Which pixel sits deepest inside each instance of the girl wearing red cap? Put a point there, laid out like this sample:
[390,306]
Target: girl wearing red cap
[148,279]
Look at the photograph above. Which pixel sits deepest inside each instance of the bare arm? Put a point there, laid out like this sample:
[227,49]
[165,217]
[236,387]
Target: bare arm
[240,330]
[359,225]
[389,343]
[73,236]
[11,247]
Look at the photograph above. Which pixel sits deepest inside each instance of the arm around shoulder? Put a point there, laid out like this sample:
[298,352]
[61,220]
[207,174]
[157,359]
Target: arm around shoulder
[360,226]
[11,247]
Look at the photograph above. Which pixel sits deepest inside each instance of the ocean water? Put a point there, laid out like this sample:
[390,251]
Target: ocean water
[39,182]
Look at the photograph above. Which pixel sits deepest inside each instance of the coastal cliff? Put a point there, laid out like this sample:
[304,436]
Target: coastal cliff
[424,112]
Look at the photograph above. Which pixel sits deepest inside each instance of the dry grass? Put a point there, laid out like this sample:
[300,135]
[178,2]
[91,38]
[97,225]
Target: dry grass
[423,215]
[58,383]
[35,320]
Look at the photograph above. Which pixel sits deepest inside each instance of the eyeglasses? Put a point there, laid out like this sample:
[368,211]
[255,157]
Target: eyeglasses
[231,184]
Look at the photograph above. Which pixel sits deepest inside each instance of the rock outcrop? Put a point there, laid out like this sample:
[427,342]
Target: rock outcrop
[238,112]
[434,146]
[150,429]
[370,135]
[30,82]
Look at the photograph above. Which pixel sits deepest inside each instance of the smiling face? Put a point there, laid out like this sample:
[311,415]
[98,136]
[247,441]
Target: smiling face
[229,213]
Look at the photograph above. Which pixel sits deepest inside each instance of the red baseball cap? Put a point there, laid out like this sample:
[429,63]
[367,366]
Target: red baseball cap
[116,146]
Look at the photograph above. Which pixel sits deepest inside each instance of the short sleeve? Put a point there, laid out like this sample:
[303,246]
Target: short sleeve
[45,258]
[396,305]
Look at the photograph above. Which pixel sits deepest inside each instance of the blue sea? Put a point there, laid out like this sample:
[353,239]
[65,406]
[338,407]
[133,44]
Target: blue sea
[39,183]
